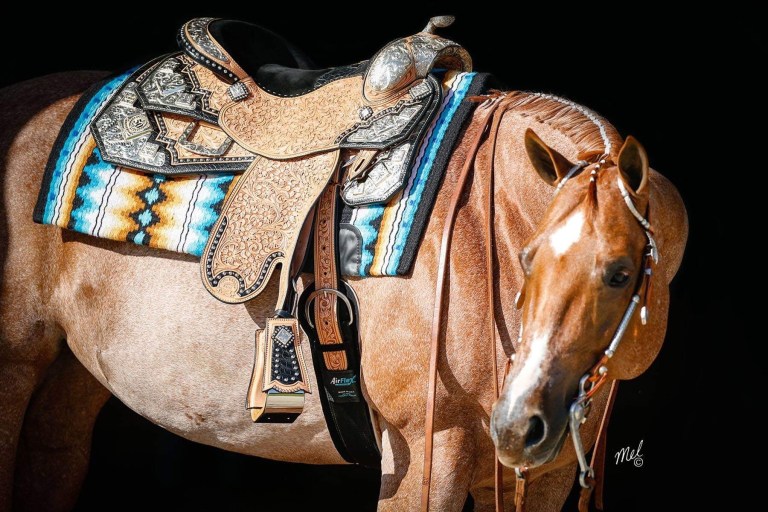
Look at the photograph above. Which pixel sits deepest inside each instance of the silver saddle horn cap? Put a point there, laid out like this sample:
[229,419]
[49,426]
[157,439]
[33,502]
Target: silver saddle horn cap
[436,22]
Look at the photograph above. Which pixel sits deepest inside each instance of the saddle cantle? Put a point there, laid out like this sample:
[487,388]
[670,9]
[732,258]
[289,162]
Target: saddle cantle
[240,99]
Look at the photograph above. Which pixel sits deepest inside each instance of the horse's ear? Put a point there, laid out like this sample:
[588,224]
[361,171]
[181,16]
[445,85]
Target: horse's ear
[633,165]
[550,164]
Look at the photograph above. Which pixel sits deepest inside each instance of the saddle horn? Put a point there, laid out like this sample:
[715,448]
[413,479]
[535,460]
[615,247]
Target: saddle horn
[436,22]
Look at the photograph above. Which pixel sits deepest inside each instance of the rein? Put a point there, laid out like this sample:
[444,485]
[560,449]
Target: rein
[492,108]
[490,105]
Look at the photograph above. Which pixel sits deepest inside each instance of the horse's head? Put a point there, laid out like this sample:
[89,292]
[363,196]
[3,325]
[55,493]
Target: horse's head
[583,267]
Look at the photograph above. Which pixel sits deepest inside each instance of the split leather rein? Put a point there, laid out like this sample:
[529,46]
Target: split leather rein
[492,108]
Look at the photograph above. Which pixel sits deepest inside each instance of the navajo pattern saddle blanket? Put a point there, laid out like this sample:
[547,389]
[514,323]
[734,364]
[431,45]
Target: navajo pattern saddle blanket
[237,151]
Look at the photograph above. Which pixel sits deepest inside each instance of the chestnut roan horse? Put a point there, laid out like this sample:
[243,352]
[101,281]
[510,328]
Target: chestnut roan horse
[82,318]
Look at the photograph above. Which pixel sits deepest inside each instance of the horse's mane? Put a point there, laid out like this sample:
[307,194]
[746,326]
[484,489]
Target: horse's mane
[591,133]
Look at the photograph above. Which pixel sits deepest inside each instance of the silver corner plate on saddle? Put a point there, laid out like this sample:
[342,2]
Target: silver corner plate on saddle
[389,172]
[151,122]
[172,87]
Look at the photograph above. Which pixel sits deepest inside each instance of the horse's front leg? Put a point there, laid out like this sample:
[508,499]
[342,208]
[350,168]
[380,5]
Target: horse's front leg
[402,469]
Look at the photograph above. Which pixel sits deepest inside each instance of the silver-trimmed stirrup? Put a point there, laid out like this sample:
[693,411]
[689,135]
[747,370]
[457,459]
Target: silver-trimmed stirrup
[598,375]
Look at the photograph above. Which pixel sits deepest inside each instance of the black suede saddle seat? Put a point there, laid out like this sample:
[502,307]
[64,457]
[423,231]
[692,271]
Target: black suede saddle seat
[277,65]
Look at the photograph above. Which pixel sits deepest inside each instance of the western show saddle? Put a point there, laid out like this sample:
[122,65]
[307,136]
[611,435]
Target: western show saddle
[238,98]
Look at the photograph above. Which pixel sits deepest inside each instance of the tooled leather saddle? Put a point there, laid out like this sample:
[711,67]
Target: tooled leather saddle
[238,98]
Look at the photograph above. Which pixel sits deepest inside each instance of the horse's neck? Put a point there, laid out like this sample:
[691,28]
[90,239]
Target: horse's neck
[520,199]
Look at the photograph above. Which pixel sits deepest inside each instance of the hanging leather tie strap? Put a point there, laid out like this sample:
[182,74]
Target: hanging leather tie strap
[521,490]
[598,456]
[486,109]
[498,469]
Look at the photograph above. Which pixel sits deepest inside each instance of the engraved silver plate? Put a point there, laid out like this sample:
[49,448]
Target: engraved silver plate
[385,177]
[420,90]
[283,335]
[238,91]
[404,60]
[386,126]
[124,131]
[200,149]
[425,48]
[131,131]
[198,33]
[166,88]
[389,68]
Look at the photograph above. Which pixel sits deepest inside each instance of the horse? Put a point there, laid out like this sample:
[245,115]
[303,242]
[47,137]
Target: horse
[82,318]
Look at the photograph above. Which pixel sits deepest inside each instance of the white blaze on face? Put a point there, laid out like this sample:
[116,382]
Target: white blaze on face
[567,234]
[530,374]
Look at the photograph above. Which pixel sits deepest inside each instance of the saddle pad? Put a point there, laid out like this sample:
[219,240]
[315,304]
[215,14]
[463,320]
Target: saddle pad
[83,193]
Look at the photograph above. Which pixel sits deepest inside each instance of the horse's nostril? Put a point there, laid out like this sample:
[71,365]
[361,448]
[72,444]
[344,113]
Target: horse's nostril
[535,431]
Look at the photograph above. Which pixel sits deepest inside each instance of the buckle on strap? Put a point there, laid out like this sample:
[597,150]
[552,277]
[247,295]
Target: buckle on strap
[199,149]
[324,291]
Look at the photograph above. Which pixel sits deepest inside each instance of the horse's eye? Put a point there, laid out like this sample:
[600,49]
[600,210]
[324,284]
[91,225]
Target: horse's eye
[619,279]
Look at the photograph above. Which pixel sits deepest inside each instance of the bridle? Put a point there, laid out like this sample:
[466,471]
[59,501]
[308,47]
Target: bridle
[492,108]
[593,380]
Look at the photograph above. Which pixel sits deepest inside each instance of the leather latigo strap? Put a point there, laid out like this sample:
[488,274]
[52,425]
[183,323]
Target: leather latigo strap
[278,381]
[327,280]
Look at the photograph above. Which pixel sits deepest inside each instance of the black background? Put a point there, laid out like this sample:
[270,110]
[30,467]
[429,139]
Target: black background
[685,85]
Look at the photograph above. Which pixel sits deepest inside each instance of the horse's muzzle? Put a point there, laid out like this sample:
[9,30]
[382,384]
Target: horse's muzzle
[524,435]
